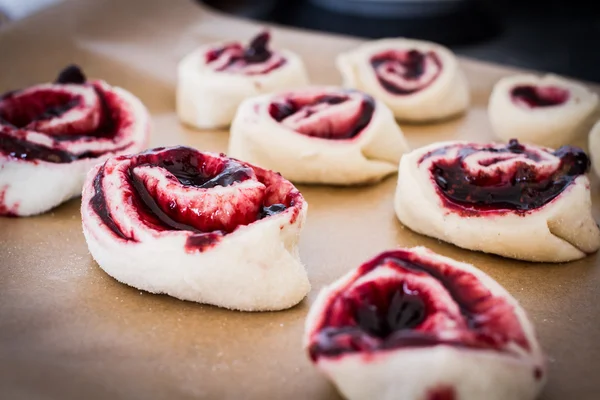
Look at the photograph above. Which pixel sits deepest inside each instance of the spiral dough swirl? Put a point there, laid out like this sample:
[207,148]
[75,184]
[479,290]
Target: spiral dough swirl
[223,219]
[53,133]
[515,200]
[413,307]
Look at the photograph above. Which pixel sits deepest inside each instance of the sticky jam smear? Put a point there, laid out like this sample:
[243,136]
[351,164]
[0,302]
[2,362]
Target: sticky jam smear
[520,188]
[394,312]
[531,96]
[18,112]
[408,65]
[191,168]
[234,57]
[309,120]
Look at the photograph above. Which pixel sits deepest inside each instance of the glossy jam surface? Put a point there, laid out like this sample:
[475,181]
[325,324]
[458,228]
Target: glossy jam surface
[388,307]
[20,111]
[191,170]
[238,56]
[408,65]
[319,121]
[520,187]
[539,96]
[442,393]
[399,310]
[71,74]
[195,171]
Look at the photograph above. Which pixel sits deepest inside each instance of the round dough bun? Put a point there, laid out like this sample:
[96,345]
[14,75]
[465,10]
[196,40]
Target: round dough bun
[151,224]
[444,96]
[319,142]
[208,98]
[562,229]
[443,356]
[548,125]
[45,164]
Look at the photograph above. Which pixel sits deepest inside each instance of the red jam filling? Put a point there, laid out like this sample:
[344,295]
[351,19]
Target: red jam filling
[190,168]
[407,65]
[520,188]
[395,312]
[539,96]
[18,111]
[334,127]
[257,52]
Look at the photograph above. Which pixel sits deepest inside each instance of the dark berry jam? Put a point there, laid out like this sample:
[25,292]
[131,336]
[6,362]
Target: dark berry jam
[71,74]
[521,188]
[386,308]
[536,96]
[192,171]
[409,65]
[442,393]
[21,111]
[98,204]
[197,170]
[258,49]
[393,312]
[257,52]
[345,126]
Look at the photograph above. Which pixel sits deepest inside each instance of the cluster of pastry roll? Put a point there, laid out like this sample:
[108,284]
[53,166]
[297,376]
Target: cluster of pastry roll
[224,230]
[312,134]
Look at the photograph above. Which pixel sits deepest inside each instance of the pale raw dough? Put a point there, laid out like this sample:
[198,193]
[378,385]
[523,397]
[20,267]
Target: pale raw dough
[551,126]
[208,99]
[255,268]
[561,230]
[594,146]
[446,96]
[413,373]
[374,153]
[33,187]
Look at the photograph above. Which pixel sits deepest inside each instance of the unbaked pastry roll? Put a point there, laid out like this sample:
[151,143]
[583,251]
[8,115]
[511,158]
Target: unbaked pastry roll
[594,145]
[197,226]
[214,79]
[420,81]
[518,201]
[52,134]
[410,324]
[319,135]
[548,111]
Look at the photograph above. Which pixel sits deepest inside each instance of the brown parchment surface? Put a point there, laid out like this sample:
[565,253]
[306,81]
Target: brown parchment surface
[69,331]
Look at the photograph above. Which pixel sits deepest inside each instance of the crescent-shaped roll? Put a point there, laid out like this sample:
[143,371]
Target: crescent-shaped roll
[413,325]
[214,79]
[594,146]
[420,81]
[197,226]
[517,201]
[319,135]
[52,134]
[548,110]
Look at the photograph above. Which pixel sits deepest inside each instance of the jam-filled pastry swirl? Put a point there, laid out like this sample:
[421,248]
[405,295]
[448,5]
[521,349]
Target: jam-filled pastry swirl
[52,134]
[548,110]
[197,226]
[319,135]
[214,79]
[514,200]
[420,81]
[411,324]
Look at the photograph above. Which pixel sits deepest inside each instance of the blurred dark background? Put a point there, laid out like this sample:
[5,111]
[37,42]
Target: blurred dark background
[560,36]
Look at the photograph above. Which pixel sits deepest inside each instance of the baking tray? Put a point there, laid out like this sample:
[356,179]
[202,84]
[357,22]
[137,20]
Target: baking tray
[69,331]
